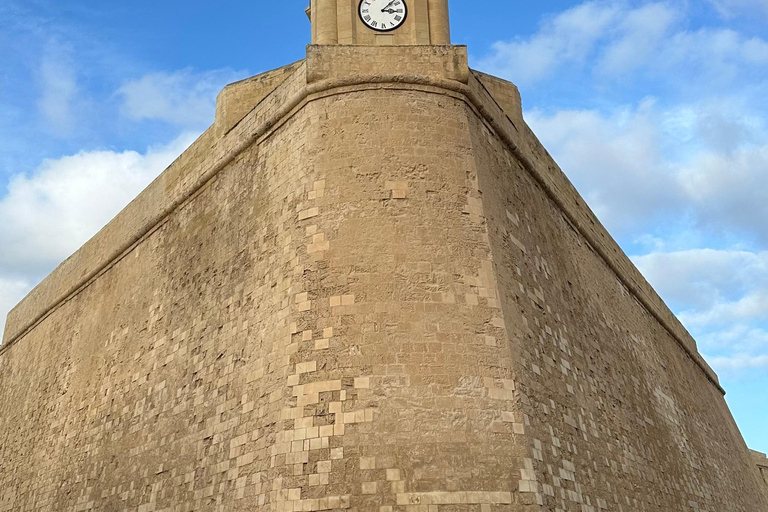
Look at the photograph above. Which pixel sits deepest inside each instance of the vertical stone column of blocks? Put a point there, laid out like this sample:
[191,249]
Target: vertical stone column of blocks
[324,22]
[417,25]
[347,21]
[403,396]
[439,22]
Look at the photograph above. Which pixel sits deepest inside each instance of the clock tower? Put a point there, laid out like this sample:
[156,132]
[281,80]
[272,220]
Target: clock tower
[379,22]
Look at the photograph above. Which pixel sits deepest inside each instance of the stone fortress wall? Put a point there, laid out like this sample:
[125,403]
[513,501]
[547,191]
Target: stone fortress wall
[366,287]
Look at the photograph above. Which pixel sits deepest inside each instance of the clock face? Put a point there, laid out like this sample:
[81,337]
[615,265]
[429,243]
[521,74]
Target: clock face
[383,15]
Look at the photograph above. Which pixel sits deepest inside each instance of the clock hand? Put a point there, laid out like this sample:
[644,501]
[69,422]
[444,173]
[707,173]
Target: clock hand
[390,11]
[388,6]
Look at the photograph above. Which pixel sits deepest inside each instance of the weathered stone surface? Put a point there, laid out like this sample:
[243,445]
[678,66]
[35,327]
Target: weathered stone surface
[237,99]
[383,63]
[376,291]
[762,465]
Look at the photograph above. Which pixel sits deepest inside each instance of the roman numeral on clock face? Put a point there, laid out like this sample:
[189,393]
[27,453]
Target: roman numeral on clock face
[383,15]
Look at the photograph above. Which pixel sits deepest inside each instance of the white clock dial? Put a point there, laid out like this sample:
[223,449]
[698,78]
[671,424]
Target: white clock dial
[383,15]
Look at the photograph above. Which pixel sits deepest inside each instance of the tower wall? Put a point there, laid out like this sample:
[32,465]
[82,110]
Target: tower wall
[375,291]
[336,22]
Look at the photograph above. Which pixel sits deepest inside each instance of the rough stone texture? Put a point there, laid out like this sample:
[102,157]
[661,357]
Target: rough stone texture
[376,291]
[387,64]
[762,465]
[239,98]
[506,95]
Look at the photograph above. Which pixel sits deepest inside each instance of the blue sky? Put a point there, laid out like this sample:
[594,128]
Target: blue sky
[657,110]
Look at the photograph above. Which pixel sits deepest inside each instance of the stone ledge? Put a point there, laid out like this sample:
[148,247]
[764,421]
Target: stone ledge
[329,62]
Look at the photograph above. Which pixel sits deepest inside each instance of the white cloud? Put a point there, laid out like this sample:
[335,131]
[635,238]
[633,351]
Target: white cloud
[611,39]
[737,338]
[702,278]
[616,161]
[721,296]
[49,213]
[711,59]
[738,363]
[730,192]
[693,165]
[752,307]
[711,288]
[569,36]
[731,8]
[183,98]
[638,35]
